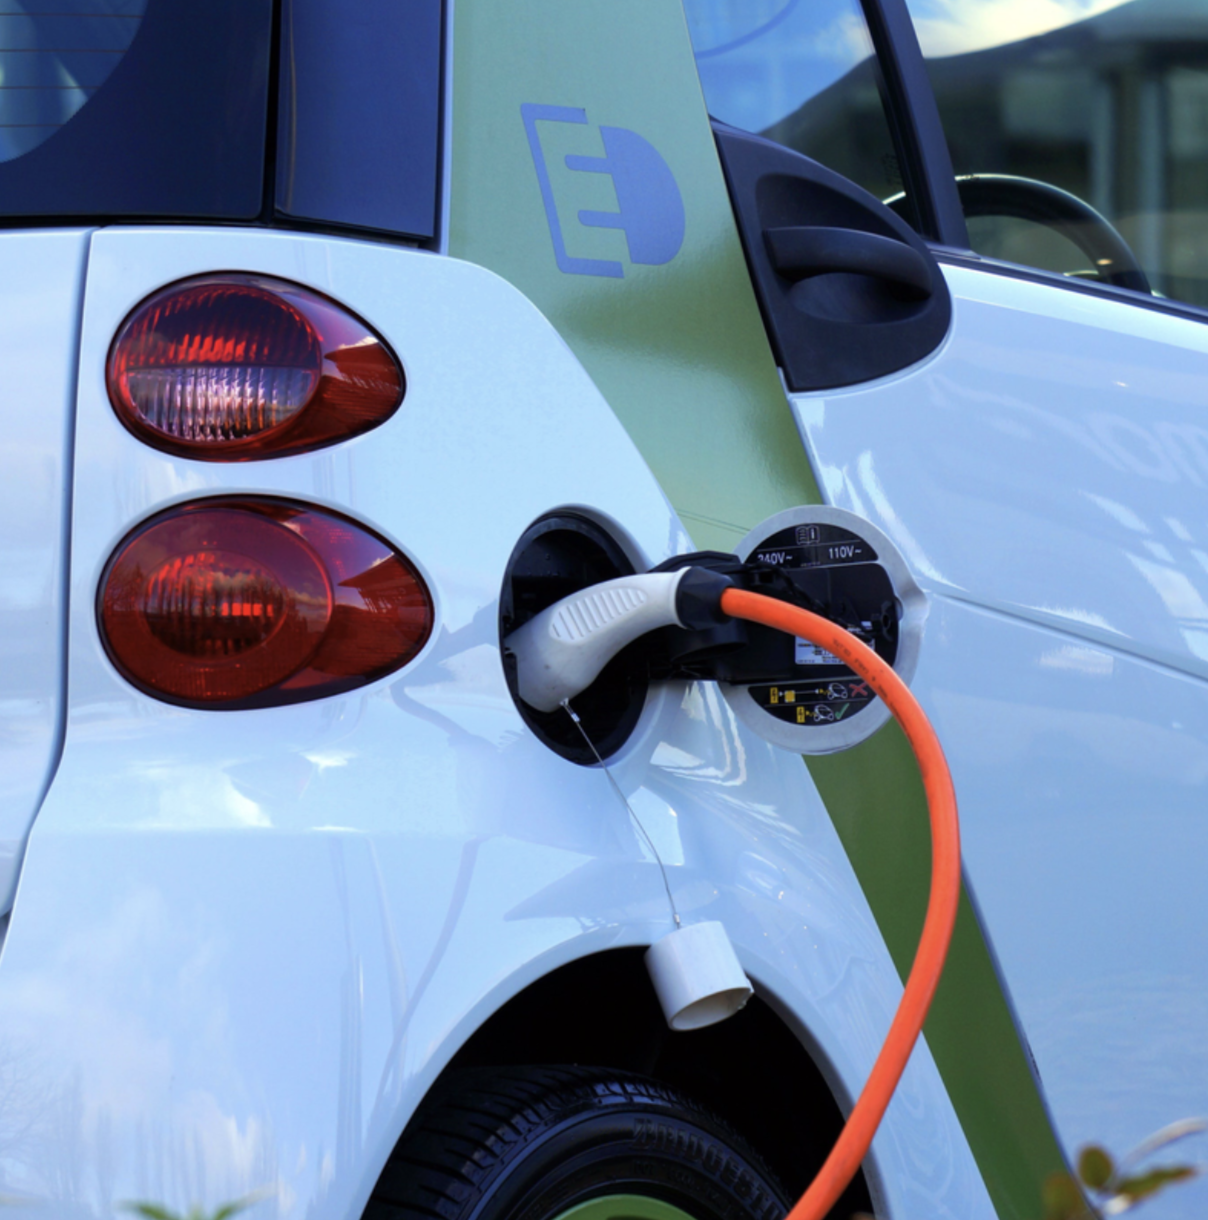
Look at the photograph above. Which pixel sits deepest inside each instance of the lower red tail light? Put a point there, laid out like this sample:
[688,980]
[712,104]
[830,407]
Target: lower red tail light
[251,602]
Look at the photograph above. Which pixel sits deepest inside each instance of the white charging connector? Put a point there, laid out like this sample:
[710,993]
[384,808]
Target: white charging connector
[561,651]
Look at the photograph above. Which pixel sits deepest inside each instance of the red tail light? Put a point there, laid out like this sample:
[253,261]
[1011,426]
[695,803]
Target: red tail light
[249,602]
[232,367]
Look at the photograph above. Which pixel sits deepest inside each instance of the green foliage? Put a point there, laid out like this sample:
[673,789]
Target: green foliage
[155,1211]
[1095,1167]
[1104,1188]
[1061,1198]
[1117,1188]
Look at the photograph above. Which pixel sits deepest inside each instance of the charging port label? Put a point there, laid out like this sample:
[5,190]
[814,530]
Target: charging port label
[789,690]
[807,653]
[838,574]
[813,702]
[808,546]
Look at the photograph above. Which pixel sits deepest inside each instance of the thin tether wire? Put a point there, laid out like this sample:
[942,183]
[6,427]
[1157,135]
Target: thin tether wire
[591,745]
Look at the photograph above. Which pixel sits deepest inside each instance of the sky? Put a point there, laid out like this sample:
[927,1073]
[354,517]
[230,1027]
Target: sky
[953,27]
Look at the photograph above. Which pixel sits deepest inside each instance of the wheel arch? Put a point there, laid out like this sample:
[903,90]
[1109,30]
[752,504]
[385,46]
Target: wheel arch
[761,1074]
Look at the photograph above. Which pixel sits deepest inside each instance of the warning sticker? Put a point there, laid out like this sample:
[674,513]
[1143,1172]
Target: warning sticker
[807,653]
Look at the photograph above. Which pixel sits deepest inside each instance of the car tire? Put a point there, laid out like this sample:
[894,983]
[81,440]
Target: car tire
[541,1143]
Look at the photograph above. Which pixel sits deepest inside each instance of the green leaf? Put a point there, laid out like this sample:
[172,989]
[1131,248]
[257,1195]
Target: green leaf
[1062,1198]
[230,1209]
[149,1211]
[1095,1167]
[155,1211]
[1145,1185]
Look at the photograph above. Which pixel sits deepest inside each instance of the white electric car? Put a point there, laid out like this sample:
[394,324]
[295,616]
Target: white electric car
[342,339]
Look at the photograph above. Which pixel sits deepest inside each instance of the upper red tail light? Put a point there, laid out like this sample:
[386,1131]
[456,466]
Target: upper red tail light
[232,367]
[240,602]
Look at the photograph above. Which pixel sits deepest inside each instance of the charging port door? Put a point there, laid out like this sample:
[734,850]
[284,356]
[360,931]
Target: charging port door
[795,694]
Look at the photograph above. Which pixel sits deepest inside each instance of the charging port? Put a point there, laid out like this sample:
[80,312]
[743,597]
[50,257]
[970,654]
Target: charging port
[556,556]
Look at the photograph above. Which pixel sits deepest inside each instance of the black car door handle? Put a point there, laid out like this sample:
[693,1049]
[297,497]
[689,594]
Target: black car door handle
[801,251]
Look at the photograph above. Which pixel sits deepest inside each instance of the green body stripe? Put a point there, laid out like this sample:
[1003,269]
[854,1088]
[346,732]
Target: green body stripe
[679,350]
[875,797]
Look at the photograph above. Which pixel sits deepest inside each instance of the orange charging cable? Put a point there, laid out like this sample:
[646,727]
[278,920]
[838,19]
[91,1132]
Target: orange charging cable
[854,1140]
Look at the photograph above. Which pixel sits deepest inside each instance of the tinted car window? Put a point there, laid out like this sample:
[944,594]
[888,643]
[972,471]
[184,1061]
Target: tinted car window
[359,109]
[1103,99]
[802,73]
[52,62]
[133,107]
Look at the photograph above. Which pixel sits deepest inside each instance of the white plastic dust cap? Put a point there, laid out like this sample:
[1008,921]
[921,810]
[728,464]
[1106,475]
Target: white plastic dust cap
[697,976]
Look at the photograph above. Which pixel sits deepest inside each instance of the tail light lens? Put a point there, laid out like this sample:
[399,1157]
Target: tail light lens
[232,367]
[250,602]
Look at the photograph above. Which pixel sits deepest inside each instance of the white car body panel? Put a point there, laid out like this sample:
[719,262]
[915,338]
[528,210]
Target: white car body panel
[42,278]
[1043,473]
[245,943]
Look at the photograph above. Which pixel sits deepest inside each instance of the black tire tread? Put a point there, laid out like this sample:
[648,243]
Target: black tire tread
[475,1120]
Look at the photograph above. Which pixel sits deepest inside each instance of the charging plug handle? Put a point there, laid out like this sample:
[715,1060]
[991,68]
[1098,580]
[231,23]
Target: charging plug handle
[562,650]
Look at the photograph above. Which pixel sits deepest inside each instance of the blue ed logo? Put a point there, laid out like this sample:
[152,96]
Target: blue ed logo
[650,208]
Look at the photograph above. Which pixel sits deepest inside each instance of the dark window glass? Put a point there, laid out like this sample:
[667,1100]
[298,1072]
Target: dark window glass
[359,113]
[802,73]
[52,62]
[1103,99]
[133,107]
